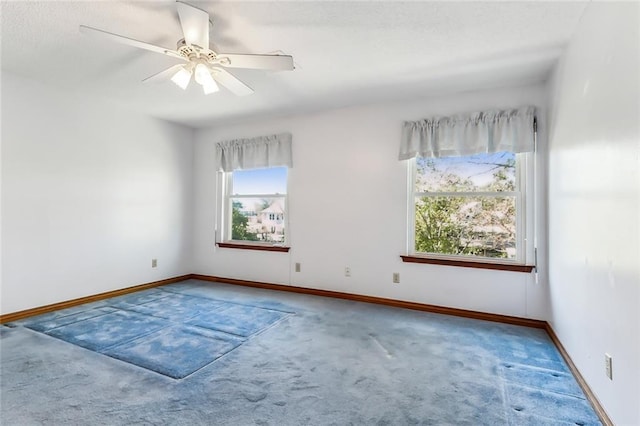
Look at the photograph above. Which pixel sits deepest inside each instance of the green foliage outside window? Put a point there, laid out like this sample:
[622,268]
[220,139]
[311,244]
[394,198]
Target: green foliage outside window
[239,224]
[472,225]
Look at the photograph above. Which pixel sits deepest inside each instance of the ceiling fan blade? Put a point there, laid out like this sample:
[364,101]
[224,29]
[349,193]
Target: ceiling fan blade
[129,41]
[261,62]
[163,75]
[195,24]
[229,81]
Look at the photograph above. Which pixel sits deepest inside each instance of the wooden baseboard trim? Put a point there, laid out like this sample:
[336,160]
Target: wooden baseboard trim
[379,301]
[87,299]
[597,407]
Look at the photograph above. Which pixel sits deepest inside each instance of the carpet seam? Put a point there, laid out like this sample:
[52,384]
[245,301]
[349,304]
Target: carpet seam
[544,390]
[74,322]
[223,301]
[132,339]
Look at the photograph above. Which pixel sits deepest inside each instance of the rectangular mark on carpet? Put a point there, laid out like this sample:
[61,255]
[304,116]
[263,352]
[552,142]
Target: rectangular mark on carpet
[240,320]
[107,330]
[176,351]
[175,307]
[171,334]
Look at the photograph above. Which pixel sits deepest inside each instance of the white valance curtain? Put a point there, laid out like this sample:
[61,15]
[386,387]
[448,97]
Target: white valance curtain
[255,153]
[479,132]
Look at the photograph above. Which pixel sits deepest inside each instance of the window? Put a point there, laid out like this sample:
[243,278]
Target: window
[469,206]
[256,206]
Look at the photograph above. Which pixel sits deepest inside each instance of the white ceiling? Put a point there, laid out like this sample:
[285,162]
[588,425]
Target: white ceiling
[346,53]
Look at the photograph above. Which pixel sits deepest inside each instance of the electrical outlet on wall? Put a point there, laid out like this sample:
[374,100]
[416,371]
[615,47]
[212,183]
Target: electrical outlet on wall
[297,267]
[347,271]
[154,263]
[396,277]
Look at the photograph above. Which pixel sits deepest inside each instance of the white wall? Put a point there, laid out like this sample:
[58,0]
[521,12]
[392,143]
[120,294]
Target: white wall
[90,194]
[348,207]
[594,196]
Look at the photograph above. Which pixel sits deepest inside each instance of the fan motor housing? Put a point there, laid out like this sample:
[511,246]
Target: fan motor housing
[195,52]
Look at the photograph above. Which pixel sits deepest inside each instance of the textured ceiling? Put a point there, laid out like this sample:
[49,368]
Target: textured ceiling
[346,53]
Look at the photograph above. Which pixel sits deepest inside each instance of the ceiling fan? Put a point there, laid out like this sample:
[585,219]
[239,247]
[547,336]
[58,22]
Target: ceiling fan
[202,63]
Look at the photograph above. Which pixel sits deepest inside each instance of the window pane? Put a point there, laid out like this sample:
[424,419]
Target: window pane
[474,226]
[260,181]
[258,219]
[480,172]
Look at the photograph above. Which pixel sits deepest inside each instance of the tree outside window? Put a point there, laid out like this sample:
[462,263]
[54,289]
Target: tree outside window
[467,206]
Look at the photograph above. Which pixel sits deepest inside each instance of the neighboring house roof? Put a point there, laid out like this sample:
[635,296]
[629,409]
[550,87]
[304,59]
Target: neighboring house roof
[275,207]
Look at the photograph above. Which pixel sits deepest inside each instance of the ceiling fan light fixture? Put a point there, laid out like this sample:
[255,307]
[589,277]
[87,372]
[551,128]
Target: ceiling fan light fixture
[182,78]
[204,78]
[206,66]
[210,87]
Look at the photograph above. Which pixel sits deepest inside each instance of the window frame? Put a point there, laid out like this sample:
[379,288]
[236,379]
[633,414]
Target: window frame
[524,195]
[224,225]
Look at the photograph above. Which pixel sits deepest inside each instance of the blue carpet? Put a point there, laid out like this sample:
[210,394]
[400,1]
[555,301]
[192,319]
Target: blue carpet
[5,331]
[170,333]
[228,355]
